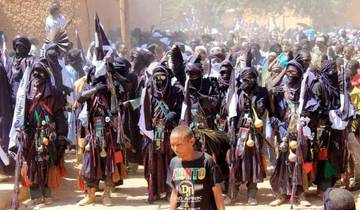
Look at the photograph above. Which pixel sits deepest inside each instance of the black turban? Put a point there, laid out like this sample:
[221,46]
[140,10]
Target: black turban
[193,67]
[122,65]
[248,72]
[22,40]
[297,64]
[74,55]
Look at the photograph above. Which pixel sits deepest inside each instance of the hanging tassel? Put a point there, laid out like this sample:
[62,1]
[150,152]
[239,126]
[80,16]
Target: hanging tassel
[329,171]
[25,182]
[308,167]
[62,170]
[123,171]
[80,182]
[263,162]
[116,175]
[54,180]
[118,157]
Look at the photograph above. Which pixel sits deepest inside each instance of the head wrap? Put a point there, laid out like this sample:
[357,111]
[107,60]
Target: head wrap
[296,62]
[74,55]
[49,80]
[22,40]
[329,80]
[41,64]
[143,58]
[325,74]
[194,65]
[249,72]
[121,64]
[227,64]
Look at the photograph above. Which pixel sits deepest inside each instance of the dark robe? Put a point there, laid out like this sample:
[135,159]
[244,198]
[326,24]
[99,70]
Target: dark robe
[249,167]
[101,135]
[284,175]
[5,113]
[207,106]
[332,140]
[131,117]
[50,108]
[221,117]
[158,155]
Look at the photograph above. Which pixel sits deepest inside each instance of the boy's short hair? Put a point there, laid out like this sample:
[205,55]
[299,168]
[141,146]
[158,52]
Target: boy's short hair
[183,132]
[338,199]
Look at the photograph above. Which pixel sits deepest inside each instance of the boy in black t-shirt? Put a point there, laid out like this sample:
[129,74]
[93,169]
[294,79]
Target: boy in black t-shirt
[193,176]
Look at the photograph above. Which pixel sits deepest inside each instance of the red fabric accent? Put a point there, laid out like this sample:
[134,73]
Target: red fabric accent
[25,182]
[32,107]
[323,154]
[308,167]
[118,157]
[46,107]
[80,182]
[62,171]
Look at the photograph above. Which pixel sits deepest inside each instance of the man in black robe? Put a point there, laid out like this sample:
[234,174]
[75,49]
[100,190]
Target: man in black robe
[104,155]
[284,178]
[245,131]
[43,138]
[161,108]
[199,109]
[204,96]
[331,140]
[226,70]
[130,100]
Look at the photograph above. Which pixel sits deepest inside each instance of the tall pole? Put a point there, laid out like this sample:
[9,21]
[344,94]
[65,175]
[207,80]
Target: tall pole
[124,15]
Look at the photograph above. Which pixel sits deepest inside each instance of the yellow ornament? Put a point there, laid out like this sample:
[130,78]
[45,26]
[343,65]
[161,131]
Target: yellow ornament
[250,142]
[293,144]
[45,141]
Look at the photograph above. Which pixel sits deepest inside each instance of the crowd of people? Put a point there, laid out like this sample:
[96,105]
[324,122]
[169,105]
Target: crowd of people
[203,116]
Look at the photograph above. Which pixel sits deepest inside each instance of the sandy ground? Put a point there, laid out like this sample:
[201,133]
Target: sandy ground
[133,195]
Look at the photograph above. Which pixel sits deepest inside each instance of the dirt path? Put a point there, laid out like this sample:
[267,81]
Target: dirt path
[133,195]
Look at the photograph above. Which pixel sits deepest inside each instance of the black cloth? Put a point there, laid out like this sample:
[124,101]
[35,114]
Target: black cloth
[208,101]
[24,41]
[327,89]
[5,118]
[131,117]
[5,109]
[158,152]
[193,182]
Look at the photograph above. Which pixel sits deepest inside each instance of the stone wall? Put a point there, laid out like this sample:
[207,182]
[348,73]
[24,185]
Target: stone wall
[27,17]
